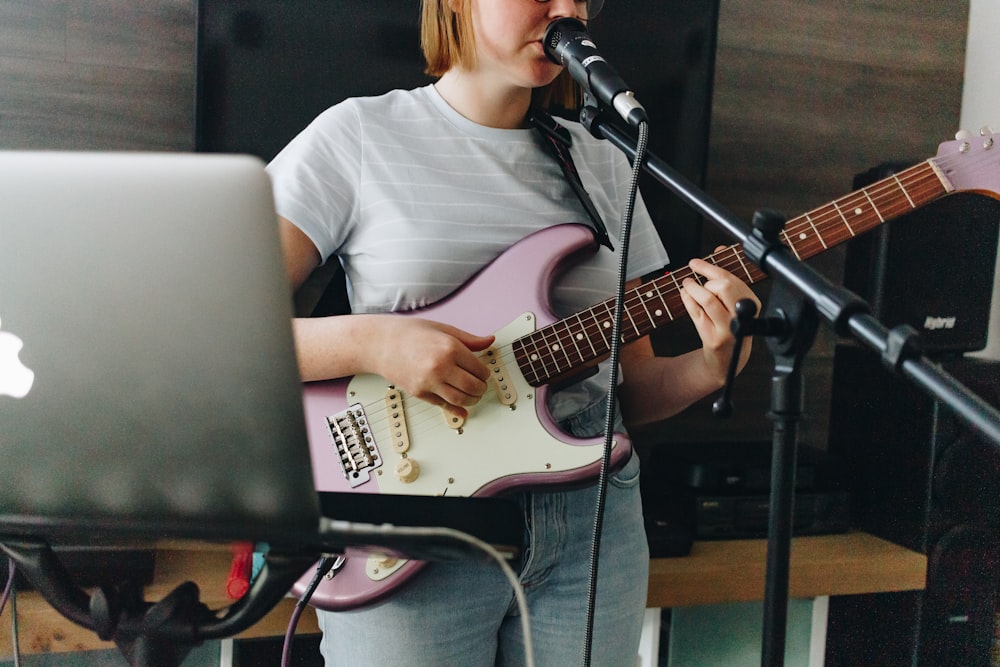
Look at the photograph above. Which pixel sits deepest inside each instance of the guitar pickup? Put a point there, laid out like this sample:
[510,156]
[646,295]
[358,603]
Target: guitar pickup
[356,447]
[505,390]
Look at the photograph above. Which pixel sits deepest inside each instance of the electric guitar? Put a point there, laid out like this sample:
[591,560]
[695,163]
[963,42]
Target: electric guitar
[366,436]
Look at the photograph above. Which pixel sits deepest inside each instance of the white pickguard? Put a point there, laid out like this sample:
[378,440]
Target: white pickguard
[495,441]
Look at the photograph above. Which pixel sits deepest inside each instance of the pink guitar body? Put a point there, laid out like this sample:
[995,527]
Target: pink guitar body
[499,449]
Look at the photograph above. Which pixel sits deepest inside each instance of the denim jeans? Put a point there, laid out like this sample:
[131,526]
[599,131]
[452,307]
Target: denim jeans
[463,614]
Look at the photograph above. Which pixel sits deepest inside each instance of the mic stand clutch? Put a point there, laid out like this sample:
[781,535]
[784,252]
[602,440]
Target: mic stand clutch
[162,633]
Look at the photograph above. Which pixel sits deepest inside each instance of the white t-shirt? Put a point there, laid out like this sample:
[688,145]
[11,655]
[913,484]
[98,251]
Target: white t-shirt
[414,199]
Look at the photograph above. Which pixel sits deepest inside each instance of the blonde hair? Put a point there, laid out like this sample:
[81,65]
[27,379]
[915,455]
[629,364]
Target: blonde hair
[448,40]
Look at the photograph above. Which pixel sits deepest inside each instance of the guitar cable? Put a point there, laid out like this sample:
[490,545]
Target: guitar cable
[613,360]
[408,533]
[326,565]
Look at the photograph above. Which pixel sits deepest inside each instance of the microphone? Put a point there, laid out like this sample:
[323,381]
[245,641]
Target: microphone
[567,43]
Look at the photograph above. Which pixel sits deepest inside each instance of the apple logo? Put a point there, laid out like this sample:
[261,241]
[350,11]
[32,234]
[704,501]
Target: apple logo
[15,378]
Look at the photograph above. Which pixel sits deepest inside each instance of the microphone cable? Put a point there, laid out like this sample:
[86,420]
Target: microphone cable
[613,360]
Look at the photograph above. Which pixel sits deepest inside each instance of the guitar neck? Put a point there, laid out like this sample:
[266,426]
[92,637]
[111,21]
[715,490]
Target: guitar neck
[583,339]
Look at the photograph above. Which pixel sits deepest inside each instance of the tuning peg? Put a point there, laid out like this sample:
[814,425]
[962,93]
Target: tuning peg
[986,131]
[962,135]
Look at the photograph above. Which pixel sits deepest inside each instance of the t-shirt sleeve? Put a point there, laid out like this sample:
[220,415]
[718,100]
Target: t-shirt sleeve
[315,177]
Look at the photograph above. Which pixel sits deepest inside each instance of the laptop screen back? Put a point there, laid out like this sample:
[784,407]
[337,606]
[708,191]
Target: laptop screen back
[143,297]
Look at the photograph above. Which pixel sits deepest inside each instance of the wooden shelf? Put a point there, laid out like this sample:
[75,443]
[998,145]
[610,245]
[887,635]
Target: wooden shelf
[714,572]
[735,570]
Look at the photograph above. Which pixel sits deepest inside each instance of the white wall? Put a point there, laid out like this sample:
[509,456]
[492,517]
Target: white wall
[981,106]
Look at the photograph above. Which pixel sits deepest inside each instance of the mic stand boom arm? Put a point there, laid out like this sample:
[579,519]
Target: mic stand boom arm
[800,298]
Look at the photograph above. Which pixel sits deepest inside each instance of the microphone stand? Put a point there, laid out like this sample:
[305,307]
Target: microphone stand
[799,299]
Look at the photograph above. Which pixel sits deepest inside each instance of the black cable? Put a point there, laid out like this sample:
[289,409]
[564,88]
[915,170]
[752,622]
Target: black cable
[326,564]
[613,359]
[10,594]
[9,586]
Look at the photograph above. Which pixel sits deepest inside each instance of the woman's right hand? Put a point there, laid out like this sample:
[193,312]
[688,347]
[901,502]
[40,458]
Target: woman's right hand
[435,362]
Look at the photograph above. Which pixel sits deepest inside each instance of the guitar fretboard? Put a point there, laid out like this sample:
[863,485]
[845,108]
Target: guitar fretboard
[580,340]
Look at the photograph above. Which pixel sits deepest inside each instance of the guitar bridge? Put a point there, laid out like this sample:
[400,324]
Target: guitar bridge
[356,448]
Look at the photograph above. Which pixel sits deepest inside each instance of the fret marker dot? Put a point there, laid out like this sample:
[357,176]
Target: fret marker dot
[534,357]
[658,313]
[607,325]
[579,336]
[803,236]
[649,295]
[555,347]
[857,211]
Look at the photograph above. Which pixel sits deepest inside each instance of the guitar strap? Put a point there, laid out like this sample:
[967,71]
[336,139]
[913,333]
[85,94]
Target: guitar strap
[556,140]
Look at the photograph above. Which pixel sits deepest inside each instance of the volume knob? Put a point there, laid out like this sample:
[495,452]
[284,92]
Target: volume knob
[407,470]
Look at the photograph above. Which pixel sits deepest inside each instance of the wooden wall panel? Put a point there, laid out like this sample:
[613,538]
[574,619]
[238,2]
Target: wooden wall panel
[99,75]
[809,93]
[33,29]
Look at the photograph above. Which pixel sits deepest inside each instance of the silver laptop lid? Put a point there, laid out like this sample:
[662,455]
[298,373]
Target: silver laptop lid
[145,297]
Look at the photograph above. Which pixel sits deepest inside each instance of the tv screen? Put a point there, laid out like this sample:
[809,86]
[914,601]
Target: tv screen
[266,68]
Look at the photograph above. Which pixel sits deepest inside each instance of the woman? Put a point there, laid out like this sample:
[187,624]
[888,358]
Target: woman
[414,192]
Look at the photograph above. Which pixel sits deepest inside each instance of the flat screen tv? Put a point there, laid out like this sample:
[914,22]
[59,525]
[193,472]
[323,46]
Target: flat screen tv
[268,67]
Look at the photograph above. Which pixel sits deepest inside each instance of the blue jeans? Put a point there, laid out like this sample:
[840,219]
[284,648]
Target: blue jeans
[463,614]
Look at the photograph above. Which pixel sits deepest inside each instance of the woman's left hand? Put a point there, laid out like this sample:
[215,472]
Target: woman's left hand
[712,307]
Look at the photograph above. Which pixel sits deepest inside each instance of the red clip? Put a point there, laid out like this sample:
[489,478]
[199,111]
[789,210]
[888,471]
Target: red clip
[238,582]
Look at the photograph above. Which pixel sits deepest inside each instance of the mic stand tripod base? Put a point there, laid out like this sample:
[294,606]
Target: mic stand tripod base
[161,633]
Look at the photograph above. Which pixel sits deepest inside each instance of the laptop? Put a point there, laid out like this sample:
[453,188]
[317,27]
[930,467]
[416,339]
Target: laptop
[148,379]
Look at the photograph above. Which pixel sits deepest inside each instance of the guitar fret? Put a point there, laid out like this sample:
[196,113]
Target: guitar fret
[672,275]
[818,235]
[843,217]
[583,328]
[600,330]
[666,306]
[800,236]
[627,314]
[739,258]
[562,345]
[541,355]
[653,291]
[857,205]
[905,193]
[573,338]
[527,359]
[790,244]
[874,207]
[607,322]
[557,347]
[649,315]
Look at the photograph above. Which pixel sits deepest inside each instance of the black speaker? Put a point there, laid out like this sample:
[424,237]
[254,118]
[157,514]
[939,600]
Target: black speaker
[931,268]
[921,478]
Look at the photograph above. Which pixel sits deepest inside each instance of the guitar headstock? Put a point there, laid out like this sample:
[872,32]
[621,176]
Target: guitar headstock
[972,162]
